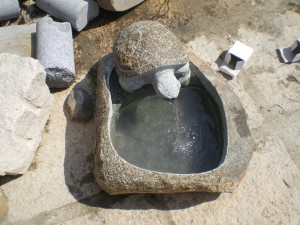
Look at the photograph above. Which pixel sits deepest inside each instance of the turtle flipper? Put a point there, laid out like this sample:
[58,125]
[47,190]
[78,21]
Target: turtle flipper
[165,84]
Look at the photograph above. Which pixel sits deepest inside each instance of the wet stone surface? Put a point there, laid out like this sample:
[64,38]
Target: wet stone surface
[177,136]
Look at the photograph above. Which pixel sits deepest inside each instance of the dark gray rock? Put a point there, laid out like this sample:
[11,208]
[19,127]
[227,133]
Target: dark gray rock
[80,106]
[55,52]
[117,176]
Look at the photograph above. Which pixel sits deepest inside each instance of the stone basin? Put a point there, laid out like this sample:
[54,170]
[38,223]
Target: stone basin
[144,144]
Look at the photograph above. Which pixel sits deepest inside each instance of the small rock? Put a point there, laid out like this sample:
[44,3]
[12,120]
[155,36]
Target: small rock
[80,106]
[25,103]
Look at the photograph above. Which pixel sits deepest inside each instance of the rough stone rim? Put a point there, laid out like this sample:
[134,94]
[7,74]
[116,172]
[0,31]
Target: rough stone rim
[110,169]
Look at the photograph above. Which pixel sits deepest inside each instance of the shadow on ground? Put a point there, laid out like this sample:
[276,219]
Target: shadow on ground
[78,169]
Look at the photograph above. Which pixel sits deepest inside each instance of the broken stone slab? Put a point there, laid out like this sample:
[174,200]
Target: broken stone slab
[235,59]
[79,105]
[118,5]
[19,40]
[25,107]
[55,52]
[291,54]
[77,12]
[115,175]
[9,9]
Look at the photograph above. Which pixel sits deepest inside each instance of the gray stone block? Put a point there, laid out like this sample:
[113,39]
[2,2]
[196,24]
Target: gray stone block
[118,5]
[55,52]
[9,9]
[77,12]
[18,40]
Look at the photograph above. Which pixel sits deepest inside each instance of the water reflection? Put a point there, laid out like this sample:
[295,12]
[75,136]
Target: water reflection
[177,136]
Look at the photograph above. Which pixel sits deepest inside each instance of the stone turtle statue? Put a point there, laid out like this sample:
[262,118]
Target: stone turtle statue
[148,53]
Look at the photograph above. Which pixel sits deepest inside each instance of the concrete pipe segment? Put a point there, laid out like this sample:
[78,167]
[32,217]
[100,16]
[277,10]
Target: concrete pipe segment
[55,52]
[9,9]
[77,12]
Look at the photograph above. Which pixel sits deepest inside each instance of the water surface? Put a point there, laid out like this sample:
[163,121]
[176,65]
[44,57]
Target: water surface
[177,136]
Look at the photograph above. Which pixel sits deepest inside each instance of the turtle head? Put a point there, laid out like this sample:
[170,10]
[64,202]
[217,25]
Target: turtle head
[165,84]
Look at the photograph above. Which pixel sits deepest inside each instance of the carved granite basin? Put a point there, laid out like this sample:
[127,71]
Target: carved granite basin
[144,144]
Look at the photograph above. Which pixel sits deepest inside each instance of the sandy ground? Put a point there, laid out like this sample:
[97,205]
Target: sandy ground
[59,187]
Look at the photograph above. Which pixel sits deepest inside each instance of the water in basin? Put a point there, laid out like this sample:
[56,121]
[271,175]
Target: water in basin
[173,136]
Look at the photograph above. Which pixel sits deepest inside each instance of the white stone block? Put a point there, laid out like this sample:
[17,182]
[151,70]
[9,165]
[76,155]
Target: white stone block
[25,103]
[118,5]
[235,59]
[9,9]
[291,54]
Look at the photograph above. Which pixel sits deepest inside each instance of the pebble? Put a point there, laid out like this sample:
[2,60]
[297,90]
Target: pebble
[79,105]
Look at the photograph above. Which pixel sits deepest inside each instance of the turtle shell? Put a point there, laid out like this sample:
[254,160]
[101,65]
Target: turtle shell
[144,46]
